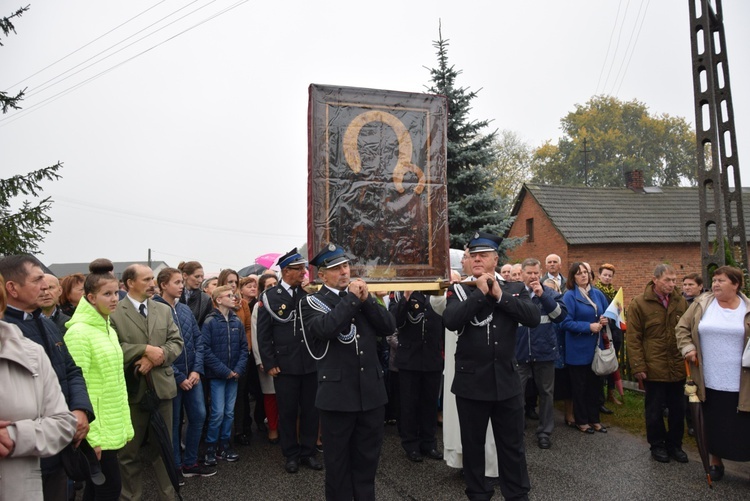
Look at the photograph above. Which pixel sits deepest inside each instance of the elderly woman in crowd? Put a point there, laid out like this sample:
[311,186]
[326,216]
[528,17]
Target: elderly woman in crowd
[585,320]
[712,336]
[34,418]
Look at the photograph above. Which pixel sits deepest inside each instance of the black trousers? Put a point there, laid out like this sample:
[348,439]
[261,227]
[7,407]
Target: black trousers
[419,406]
[586,388]
[353,441]
[248,384]
[507,427]
[112,486]
[295,397]
[658,396]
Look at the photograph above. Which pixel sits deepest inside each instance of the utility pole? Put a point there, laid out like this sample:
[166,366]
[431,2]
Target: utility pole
[149,258]
[716,141]
[585,152]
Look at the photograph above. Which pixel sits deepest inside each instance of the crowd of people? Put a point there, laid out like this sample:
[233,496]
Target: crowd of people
[326,368]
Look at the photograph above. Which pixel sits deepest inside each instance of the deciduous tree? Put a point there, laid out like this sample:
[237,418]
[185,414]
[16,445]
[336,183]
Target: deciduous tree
[620,137]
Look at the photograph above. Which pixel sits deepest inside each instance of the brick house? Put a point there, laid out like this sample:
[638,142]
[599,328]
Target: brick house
[634,228]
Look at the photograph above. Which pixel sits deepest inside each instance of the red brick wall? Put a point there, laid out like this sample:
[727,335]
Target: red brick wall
[634,263]
[547,240]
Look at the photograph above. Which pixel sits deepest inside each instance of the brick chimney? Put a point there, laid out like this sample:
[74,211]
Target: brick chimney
[634,180]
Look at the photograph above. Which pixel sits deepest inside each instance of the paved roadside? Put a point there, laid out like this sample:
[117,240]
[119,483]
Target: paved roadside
[612,466]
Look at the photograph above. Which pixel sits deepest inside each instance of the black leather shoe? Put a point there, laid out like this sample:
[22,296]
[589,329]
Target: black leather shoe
[544,442]
[660,454]
[311,462]
[433,454]
[716,472]
[292,466]
[242,439]
[531,414]
[678,455]
[604,410]
[414,456]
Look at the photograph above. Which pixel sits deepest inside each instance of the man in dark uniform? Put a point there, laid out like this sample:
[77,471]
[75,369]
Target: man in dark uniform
[285,357]
[342,320]
[420,364]
[487,387]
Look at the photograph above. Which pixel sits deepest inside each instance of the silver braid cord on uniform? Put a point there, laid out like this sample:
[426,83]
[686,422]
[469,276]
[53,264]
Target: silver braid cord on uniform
[461,295]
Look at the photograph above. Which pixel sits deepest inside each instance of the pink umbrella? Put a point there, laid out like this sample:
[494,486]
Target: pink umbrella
[267,260]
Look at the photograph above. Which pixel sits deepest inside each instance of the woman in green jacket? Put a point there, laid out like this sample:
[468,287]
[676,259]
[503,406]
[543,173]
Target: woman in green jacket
[96,350]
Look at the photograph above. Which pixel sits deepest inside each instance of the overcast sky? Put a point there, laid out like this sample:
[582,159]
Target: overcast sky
[194,143]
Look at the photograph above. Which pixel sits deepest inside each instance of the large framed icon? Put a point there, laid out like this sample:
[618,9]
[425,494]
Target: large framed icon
[377,180]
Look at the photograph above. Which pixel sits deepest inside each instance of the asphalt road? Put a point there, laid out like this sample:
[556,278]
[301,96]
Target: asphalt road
[612,466]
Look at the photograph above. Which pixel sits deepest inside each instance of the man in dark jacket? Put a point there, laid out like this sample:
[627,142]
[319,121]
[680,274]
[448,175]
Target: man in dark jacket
[25,285]
[345,321]
[419,361]
[487,387]
[285,357]
[50,303]
[536,348]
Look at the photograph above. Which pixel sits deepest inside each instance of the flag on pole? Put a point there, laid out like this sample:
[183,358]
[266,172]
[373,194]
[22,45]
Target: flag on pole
[616,310]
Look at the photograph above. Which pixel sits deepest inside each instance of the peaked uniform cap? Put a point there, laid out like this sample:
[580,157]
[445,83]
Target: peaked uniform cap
[330,256]
[291,258]
[484,242]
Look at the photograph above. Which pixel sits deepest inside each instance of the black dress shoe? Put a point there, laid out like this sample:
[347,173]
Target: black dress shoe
[311,462]
[604,410]
[242,439]
[678,455]
[544,442]
[660,454]
[292,466]
[716,472]
[433,454]
[414,456]
[531,414]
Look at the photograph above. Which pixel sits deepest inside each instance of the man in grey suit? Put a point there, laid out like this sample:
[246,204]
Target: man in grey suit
[150,342]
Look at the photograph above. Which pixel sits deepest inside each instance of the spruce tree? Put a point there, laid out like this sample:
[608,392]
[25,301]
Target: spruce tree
[21,231]
[473,204]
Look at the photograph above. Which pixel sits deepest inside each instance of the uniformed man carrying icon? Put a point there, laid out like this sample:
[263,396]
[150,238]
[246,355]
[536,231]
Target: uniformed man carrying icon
[487,386]
[341,322]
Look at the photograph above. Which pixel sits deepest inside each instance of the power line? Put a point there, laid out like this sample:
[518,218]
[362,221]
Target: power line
[643,19]
[609,45]
[617,45]
[36,106]
[84,46]
[42,85]
[74,204]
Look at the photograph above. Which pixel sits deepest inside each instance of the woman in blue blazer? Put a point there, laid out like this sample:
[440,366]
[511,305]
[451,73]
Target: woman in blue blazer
[582,325]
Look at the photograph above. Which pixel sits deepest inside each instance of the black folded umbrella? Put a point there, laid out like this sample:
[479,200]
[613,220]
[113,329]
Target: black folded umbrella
[81,465]
[696,411]
[159,431]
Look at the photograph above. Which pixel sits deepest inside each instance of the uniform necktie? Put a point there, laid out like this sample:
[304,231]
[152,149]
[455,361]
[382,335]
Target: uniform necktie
[342,293]
[142,309]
